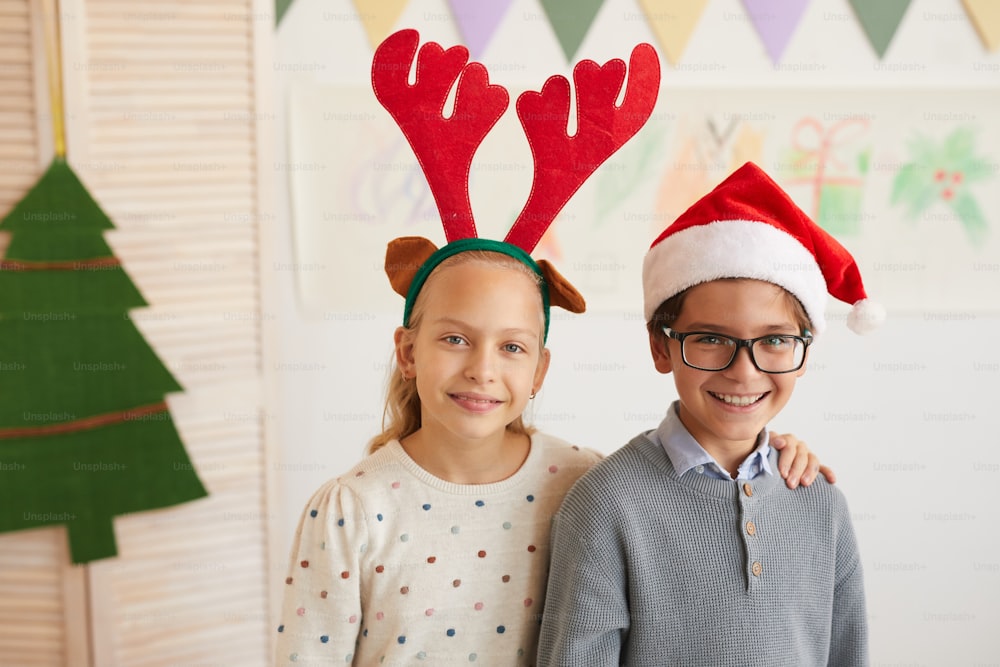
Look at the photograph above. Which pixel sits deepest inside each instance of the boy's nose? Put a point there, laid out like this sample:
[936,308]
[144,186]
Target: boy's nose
[742,365]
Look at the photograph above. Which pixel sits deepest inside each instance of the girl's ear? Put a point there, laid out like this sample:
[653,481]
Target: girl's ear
[404,352]
[661,354]
[561,292]
[403,257]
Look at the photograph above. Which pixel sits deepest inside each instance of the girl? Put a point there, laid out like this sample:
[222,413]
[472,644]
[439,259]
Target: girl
[435,546]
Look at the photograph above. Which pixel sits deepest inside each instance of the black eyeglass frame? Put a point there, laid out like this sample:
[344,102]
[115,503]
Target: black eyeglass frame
[748,343]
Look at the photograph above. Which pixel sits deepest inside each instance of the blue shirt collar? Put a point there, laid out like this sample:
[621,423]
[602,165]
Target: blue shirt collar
[686,454]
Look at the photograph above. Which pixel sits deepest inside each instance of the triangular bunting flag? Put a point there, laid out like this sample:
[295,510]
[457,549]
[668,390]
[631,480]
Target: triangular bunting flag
[571,19]
[880,20]
[985,15]
[775,21]
[672,22]
[477,21]
[379,17]
[280,7]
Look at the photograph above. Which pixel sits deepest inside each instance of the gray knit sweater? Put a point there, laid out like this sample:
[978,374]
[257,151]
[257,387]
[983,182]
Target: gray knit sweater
[651,569]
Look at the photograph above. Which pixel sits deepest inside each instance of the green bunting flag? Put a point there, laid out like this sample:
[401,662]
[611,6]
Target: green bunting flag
[85,432]
[880,19]
[571,20]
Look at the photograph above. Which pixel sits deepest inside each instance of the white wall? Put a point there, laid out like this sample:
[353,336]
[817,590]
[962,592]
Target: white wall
[905,416]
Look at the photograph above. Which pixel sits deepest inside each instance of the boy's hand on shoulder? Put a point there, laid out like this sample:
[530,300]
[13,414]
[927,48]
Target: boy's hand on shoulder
[796,464]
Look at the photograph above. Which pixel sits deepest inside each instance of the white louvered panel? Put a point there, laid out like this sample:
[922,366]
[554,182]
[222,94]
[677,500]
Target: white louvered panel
[191,591]
[19,144]
[32,565]
[170,158]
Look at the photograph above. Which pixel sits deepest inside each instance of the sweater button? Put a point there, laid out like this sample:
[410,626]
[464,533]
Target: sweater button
[751,528]
[747,489]
[756,568]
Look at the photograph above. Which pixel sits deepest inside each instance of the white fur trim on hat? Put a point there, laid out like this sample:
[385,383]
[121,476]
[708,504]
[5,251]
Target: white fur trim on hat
[733,249]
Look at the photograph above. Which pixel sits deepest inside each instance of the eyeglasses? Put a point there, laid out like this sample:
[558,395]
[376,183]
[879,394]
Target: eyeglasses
[774,353]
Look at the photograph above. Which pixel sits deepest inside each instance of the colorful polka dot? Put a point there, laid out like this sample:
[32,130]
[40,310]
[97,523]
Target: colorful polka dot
[528,602]
[421,655]
[432,559]
[501,629]
[426,506]
[313,513]
[345,575]
[482,553]
[472,657]
[380,569]
[506,525]
[281,628]
[379,616]
[288,580]
[304,563]
[450,632]
[360,473]
[456,583]
[532,548]
[478,606]
[404,590]
[340,522]
[531,498]
[324,638]
[323,594]
[505,578]
[379,516]
[480,503]
[455,530]
[353,618]
[401,639]
[294,657]
[301,611]
[553,469]
[395,485]
[405,537]
[428,612]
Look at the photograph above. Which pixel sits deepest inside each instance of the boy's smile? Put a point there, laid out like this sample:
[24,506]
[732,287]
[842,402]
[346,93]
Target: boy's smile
[726,410]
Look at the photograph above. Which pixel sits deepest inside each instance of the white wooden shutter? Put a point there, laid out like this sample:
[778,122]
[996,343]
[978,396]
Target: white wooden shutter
[42,597]
[161,101]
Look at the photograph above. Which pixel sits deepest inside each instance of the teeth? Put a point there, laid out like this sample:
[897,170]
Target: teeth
[739,401]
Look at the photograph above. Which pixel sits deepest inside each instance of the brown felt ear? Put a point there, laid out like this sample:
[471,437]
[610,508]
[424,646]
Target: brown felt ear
[561,293]
[403,257]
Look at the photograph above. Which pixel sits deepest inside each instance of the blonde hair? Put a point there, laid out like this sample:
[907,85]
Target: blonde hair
[401,415]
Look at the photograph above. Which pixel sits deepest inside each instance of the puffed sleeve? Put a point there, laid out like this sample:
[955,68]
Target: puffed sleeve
[321,608]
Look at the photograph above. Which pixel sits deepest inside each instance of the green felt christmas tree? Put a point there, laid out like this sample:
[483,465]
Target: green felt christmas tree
[85,433]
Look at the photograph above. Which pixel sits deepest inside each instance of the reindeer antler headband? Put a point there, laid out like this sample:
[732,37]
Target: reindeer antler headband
[444,147]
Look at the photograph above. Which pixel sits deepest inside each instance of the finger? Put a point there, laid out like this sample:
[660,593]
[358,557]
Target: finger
[829,474]
[798,467]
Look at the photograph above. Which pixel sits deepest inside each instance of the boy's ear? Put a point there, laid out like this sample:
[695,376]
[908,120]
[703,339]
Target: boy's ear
[561,292]
[404,352]
[403,256]
[661,354]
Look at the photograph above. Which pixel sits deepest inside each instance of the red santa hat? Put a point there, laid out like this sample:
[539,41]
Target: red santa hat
[748,227]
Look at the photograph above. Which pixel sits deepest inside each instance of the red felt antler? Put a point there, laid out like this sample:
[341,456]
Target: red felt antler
[444,146]
[562,162]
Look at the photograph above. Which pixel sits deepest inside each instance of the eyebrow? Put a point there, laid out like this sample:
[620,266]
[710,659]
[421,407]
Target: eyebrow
[719,328]
[508,332]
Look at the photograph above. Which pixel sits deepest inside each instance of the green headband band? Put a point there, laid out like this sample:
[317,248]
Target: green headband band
[464,245]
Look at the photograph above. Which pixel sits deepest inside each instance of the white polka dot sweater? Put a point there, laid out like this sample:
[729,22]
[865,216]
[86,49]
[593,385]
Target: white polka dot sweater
[391,565]
[649,568]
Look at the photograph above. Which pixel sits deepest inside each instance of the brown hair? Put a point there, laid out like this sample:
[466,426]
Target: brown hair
[401,415]
[668,311]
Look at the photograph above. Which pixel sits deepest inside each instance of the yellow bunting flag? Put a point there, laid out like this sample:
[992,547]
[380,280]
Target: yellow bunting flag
[379,17]
[672,22]
[985,15]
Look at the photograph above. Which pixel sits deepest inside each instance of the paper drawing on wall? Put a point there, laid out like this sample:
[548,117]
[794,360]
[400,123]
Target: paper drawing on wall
[940,176]
[707,149]
[832,162]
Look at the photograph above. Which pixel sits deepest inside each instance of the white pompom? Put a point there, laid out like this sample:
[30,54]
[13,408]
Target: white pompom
[865,317]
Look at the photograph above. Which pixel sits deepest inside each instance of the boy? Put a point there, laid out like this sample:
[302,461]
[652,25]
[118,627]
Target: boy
[683,547]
